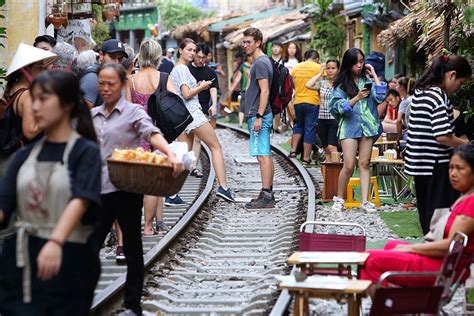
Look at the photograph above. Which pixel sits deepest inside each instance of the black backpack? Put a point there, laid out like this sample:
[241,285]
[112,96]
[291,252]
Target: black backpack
[10,125]
[168,111]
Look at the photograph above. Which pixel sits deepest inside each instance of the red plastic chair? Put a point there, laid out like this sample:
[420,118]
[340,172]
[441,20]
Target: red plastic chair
[406,300]
[391,299]
[310,241]
[331,242]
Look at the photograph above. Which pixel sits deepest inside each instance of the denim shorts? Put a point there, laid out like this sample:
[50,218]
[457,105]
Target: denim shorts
[306,121]
[260,141]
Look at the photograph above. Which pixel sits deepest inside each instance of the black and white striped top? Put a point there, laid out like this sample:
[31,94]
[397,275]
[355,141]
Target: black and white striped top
[431,116]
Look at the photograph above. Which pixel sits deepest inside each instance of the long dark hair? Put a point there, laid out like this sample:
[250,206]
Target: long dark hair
[434,75]
[297,53]
[344,77]
[66,86]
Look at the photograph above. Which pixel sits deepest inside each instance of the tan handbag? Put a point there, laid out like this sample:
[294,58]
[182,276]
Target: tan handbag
[438,224]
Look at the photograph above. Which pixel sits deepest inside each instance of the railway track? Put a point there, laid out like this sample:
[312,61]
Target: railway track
[218,257]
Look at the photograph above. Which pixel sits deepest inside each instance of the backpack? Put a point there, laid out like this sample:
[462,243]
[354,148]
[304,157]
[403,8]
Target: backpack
[281,89]
[10,125]
[89,70]
[168,111]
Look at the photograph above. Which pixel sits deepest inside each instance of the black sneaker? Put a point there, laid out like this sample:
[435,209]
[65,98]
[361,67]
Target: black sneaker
[225,194]
[267,201]
[260,196]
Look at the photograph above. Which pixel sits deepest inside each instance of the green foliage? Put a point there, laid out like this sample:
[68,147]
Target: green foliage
[329,37]
[180,12]
[100,32]
[323,6]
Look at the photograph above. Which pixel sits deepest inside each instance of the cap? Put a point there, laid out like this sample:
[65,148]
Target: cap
[170,50]
[26,55]
[45,38]
[114,46]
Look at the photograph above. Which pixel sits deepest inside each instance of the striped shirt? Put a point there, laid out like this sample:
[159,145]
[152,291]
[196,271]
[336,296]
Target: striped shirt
[325,95]
[431,116]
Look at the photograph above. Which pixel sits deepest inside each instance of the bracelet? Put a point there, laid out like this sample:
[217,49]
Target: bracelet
[57,242]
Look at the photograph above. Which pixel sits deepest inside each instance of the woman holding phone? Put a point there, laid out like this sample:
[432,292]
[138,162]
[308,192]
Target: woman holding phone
[354,105]
[188,89]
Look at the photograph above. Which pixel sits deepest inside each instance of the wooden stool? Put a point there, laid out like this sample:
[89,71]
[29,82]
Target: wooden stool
[374,196]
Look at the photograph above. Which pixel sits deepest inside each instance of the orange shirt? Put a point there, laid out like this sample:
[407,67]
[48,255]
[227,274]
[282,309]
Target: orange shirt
[301,73]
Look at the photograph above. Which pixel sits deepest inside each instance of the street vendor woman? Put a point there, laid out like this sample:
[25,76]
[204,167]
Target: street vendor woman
[47,267]
[121,124]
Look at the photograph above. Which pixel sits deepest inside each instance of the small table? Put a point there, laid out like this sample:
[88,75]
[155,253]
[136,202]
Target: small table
[395,169]
[325,287]
[343,260]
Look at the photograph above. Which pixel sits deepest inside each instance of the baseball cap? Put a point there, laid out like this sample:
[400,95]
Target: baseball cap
[45,38]
[114,46]
[170,50]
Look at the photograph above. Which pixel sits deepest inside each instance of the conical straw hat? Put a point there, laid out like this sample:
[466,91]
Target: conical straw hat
[26,55]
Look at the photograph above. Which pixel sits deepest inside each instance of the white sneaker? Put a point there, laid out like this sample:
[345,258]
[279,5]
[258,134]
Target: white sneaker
[338,204]
[369,207]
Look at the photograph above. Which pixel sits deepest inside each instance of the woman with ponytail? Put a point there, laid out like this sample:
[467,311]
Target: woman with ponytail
[431,134]
[405,88]
[47,266]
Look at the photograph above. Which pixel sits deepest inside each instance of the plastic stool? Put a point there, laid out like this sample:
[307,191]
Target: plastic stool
[374,196]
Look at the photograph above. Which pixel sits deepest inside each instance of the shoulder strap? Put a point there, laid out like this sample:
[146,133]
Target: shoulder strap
[133,83]
[15,97]
[163,81]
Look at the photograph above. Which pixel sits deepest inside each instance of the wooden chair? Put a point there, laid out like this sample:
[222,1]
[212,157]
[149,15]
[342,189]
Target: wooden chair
[330,242]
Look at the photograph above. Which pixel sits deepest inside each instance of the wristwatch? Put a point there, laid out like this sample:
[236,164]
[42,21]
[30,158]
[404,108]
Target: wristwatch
[259,115]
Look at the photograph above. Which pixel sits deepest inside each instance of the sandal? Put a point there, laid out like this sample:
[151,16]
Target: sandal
[196,173]
[292,154]
[306,162]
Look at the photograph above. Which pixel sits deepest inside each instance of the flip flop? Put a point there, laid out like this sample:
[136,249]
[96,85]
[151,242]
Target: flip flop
[196,173]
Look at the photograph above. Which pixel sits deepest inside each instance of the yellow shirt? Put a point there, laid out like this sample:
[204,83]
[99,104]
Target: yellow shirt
[301,73]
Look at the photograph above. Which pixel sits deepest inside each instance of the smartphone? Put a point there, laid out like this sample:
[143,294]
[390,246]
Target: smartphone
[368,86]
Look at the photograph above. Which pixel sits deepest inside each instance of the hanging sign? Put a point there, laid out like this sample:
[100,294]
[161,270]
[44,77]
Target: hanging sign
[75,31]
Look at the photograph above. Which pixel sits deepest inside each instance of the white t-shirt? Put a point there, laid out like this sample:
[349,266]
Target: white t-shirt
[291,63]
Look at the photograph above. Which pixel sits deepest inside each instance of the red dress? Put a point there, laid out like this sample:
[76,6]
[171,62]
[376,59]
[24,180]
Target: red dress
[381,261]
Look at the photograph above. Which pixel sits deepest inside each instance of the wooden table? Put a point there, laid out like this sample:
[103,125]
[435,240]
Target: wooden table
[343,259]
[329,287]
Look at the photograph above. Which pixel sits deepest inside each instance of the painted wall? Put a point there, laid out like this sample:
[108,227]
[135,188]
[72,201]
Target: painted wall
[239,6]
[21,20]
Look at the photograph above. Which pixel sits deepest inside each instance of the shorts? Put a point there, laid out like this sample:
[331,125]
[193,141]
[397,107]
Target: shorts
[306,121]
[327,131]
[199,119]
[260,141]
[242,103]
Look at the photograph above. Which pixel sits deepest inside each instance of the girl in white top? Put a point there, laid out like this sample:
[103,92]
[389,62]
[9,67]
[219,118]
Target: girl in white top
[188,89]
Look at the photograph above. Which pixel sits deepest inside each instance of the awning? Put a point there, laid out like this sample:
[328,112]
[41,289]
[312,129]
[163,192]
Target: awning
[273,27]
[229,25]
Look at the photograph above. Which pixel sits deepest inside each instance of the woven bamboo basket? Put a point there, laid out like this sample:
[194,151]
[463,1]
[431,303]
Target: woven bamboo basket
[145,178]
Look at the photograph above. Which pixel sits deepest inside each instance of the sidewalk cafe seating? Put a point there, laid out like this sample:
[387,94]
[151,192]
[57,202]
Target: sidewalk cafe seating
[390,299]
[311,241]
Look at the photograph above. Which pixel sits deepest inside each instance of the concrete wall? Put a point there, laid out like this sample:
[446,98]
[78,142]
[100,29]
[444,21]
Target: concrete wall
[21,20]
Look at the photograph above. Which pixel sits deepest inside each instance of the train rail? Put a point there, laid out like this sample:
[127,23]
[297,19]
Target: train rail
[218,257]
